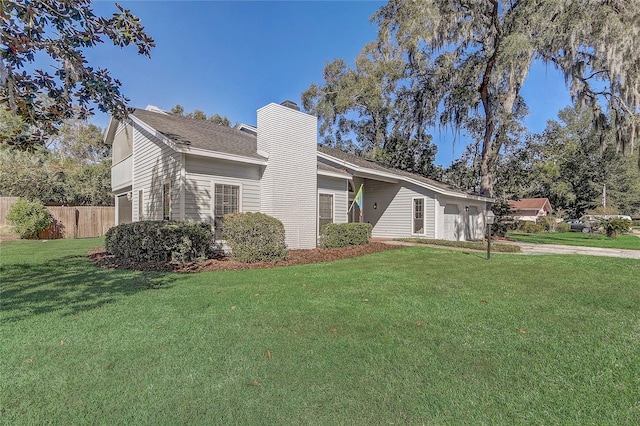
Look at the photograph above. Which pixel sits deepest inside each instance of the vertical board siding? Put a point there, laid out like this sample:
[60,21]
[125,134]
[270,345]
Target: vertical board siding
[70,222]
[289,182]
[154,163]
[339,189]
[201,172]
[79,222]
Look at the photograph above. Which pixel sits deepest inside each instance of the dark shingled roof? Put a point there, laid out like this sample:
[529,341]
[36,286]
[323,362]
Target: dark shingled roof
[201,134]
[374,165]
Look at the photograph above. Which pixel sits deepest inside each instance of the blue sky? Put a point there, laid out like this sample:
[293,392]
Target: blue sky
[233,57]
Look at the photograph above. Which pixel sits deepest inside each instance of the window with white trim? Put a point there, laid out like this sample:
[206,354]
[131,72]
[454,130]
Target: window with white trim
[418,216]
[226,200]
[325,209]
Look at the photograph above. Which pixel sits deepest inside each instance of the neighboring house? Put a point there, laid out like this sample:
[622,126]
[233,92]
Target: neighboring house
[530,208]
[171,167]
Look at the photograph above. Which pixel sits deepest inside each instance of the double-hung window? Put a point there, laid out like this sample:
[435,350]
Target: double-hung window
[325,209]
[226,200]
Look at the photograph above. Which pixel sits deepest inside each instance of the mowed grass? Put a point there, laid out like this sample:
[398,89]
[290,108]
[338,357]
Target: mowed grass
[413,336]
[623,241]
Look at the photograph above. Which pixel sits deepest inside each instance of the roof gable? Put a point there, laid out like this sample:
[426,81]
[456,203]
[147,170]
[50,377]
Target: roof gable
[200,134]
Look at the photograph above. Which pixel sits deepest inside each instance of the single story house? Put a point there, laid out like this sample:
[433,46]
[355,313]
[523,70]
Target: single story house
[171,167]
[530,208]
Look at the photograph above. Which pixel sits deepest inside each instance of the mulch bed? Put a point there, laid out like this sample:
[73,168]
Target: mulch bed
[223,263]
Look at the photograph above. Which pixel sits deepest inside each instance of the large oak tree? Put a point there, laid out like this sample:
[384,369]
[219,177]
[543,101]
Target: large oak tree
[478,53]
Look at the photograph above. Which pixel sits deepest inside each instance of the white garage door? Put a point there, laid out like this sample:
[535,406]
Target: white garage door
[451,219]
[473,231]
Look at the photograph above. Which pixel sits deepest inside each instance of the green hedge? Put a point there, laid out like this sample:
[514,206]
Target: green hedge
[254,237]
[29,217]
[334,235]
[530,227]
[160,241]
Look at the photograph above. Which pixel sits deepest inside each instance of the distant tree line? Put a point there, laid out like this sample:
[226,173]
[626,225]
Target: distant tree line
[200,115]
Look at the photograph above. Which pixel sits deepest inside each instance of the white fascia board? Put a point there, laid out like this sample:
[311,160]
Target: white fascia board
[334,174]
[221,155]
[198,151]
[442,191]
[363,171]
[394,178]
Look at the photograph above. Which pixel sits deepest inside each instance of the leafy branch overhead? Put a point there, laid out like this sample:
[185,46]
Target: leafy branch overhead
[462,64]
[481,53]
[57,33]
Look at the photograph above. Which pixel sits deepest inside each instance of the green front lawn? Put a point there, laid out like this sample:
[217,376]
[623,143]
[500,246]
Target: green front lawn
[623,241]
[413,336]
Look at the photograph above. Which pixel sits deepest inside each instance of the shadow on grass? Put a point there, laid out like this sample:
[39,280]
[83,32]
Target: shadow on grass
[70,285]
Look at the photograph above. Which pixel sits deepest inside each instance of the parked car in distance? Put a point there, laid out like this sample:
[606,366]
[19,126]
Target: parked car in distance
[591,223]
[577,225]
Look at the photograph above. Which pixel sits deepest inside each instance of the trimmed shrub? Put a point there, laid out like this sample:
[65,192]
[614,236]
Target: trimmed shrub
[334,235]
[29,217]
[529,227]
[160,241]
[563,227]
[254,237]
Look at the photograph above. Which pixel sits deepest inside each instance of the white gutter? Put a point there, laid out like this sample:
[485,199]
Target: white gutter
[335,174]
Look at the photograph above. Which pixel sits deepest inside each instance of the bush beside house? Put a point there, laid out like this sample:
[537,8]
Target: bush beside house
[160,241]
[335,235]
[254,237]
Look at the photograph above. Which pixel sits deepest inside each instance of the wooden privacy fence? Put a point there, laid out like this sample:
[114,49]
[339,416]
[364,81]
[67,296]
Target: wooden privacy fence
[5,205]
[70,222]
[79,222]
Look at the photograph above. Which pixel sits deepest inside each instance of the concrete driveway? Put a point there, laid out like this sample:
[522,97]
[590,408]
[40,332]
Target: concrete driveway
[528,248]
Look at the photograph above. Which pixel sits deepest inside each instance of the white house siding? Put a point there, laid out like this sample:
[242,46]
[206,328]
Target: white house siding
[122,173]
[339,189]
[154,163]
[202,173]
[122,143]
[288,138]
[393,217]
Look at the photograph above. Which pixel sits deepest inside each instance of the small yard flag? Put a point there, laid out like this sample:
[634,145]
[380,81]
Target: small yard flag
[358,198]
